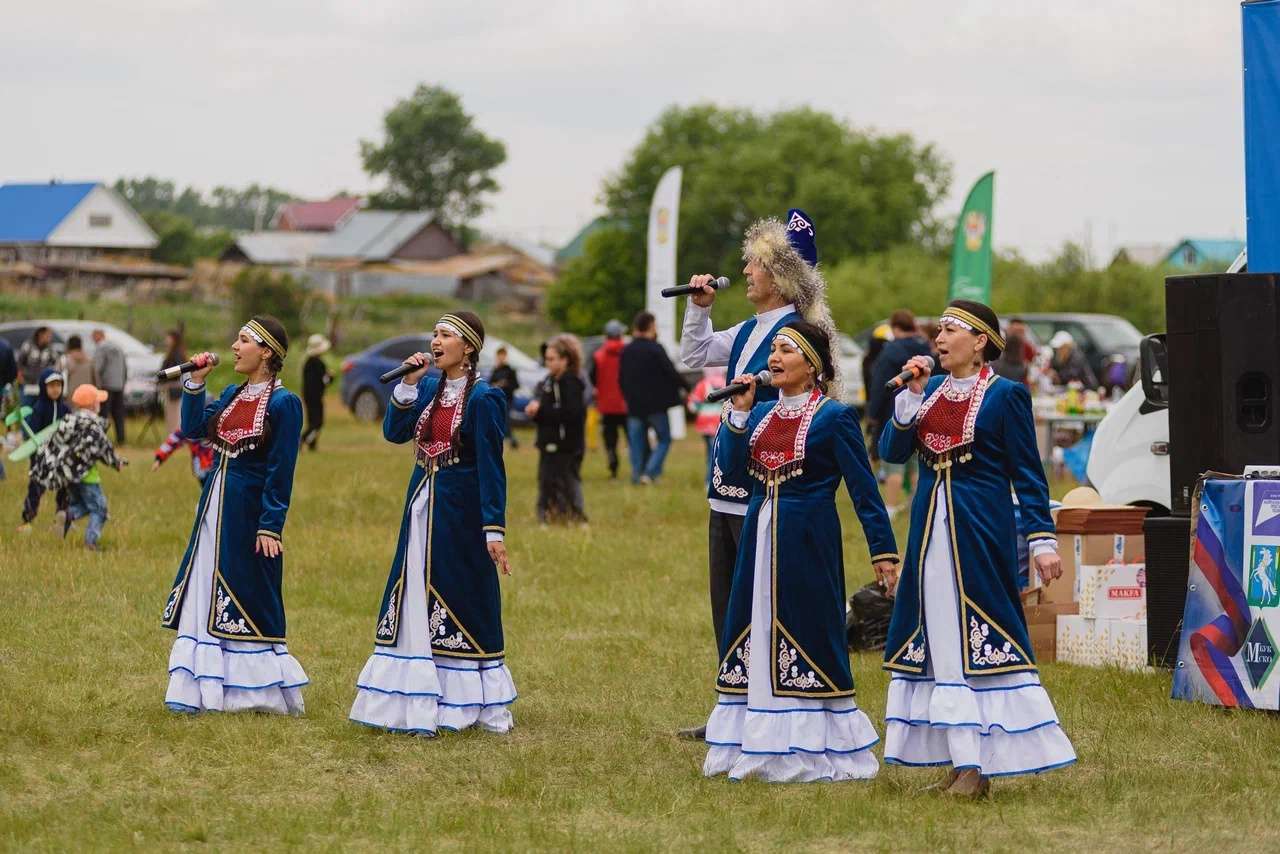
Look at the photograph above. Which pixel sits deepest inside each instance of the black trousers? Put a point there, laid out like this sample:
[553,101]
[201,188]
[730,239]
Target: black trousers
[31,504]
[724,532]
[611,426]
[314,409]
[114,409]
[560,496]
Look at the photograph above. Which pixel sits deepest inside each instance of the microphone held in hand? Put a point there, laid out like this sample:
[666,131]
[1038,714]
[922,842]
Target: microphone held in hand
[908,375]
[762,378]
[681,290]
[201,361]
[397,372]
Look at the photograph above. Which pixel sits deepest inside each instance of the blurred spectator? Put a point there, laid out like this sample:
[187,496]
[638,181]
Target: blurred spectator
[8,375]
[315,379]
[907,342]
[79,367]
[606,366]
[1018,327]
[35,355]
[707,415]
[880,336]
[560,413]
[1069,364]
[110,368]
[1012,363]
[650,385]
[201,453]
[48,408]
[503,377]
[175,353]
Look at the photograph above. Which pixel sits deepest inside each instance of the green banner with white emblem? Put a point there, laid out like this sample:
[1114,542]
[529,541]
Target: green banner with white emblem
[971,251]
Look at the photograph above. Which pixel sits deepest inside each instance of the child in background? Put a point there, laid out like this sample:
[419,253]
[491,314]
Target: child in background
[48,408]
[201,453]
[707,415]
[71,460]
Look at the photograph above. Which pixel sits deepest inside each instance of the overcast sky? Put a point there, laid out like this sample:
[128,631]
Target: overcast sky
[1119,119]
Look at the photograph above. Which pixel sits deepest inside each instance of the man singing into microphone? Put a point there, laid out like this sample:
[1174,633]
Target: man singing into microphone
[783,284]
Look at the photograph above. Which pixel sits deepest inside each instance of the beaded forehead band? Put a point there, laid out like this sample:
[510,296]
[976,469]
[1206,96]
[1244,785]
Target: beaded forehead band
[462,329]
[259,333]
[971,322]
[795,339]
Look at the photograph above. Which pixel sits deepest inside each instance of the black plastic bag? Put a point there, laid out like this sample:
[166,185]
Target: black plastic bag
[866,620]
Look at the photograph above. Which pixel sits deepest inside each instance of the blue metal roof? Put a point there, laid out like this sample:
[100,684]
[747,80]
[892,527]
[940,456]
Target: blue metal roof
[1221,252]
[30,212]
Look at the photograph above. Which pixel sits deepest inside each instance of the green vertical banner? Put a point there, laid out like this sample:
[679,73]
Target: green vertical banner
[971,252]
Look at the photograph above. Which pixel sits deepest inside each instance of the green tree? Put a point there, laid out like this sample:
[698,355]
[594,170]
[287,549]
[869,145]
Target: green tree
[181,242]
[258,290]
[865,191]
[605,281]
[433,158]
[224,208]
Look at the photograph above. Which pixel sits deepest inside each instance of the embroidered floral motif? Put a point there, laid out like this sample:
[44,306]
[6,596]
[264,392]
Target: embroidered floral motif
[741,673]
[778,442]
[982,652]
[440,630]
[947,420]
[718,484]
[387,626]
[789,674]
[914,654]
[455,641]
[171,604]
[243,424]
[434,443]
[438,616]
[222,621]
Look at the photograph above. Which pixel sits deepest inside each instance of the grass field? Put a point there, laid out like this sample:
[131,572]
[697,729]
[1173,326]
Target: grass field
[609,641]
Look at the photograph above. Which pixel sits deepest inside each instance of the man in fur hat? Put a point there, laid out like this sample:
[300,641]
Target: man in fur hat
[783,283]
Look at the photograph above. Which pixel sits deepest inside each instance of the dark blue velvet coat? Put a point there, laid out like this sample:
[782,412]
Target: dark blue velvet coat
[247,603]
[983,534]
[808,556]
[466,499]
[736,486]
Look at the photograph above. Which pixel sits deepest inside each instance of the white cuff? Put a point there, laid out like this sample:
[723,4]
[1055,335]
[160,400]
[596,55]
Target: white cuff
[738,418]
[1043,547]
[404,393]
[493,536]
[906,405]
[190,386]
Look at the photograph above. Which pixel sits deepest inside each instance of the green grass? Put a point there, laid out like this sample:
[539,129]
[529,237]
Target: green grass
[610,644]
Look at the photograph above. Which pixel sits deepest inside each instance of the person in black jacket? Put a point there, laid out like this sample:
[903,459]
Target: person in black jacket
[8,374]
[560,413]
[315,379]
[907,342]
[651,385]
[504,378]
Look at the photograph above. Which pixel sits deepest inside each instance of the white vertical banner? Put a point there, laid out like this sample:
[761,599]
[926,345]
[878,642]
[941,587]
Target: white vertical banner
[664,216]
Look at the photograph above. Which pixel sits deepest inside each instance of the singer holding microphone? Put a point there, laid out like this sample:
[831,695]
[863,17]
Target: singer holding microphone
[783,284]
[964,690]
[227,601]
[786,710]
[439,658]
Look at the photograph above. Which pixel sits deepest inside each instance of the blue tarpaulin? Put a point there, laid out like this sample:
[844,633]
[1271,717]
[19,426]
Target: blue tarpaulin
[1261,27]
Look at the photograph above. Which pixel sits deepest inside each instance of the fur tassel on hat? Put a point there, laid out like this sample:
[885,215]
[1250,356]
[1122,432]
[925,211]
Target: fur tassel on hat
[803,286]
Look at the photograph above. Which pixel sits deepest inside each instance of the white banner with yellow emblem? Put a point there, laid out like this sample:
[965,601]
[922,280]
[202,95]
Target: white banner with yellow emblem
[664,216]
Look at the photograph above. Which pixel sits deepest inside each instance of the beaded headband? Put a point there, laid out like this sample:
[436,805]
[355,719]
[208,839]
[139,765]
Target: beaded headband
[259,333]
[973,323]
[802,344]
[462,329]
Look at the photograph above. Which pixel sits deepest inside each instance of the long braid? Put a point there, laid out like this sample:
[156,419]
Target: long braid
[472,376]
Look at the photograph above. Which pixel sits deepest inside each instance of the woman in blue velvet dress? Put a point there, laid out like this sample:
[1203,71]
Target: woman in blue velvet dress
[227,601]
[786,710]
[965,691]
[439,657]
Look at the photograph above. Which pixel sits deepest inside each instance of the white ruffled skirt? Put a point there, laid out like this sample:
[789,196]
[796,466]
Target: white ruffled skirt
[1001,725]
[211,674]
[406,688]
[784,739]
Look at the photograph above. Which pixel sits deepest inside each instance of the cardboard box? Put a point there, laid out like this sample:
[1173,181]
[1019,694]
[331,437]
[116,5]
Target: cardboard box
[1079,550]
[1114,591]
[1044,642]
[1102,643]
[1126,643]
[1078,641]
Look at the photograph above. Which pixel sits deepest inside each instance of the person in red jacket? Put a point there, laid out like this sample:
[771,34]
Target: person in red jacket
[605,364]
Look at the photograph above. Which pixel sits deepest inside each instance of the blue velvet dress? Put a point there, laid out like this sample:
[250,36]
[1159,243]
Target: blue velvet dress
[965,690]
[227,601]
[439,651]
[786,711]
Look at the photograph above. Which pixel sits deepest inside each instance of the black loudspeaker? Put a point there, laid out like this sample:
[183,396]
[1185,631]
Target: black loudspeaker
[1224,376]
[1168,547]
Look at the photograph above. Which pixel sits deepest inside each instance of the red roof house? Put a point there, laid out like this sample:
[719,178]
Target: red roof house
[315,216]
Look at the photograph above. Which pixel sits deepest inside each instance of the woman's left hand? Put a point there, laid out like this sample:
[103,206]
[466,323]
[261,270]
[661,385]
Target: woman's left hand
[269,546]
[1049,565]
[498,551]
[531,408]
[887,575]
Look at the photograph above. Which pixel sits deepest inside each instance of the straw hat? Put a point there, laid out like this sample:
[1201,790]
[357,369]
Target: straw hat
[317,344]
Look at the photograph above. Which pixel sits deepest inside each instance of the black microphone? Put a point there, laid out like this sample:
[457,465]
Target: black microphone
[908,375]
[762,378]
[397,372]
[172,373]
[681,290]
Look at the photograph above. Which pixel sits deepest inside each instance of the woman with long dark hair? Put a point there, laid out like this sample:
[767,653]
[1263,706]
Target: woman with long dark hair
[439,657]
[560,411]
[227,602]
[965,691]
[786,711]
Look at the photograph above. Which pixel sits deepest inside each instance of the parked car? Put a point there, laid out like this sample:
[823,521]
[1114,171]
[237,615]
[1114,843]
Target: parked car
[367,398]
[141,361]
